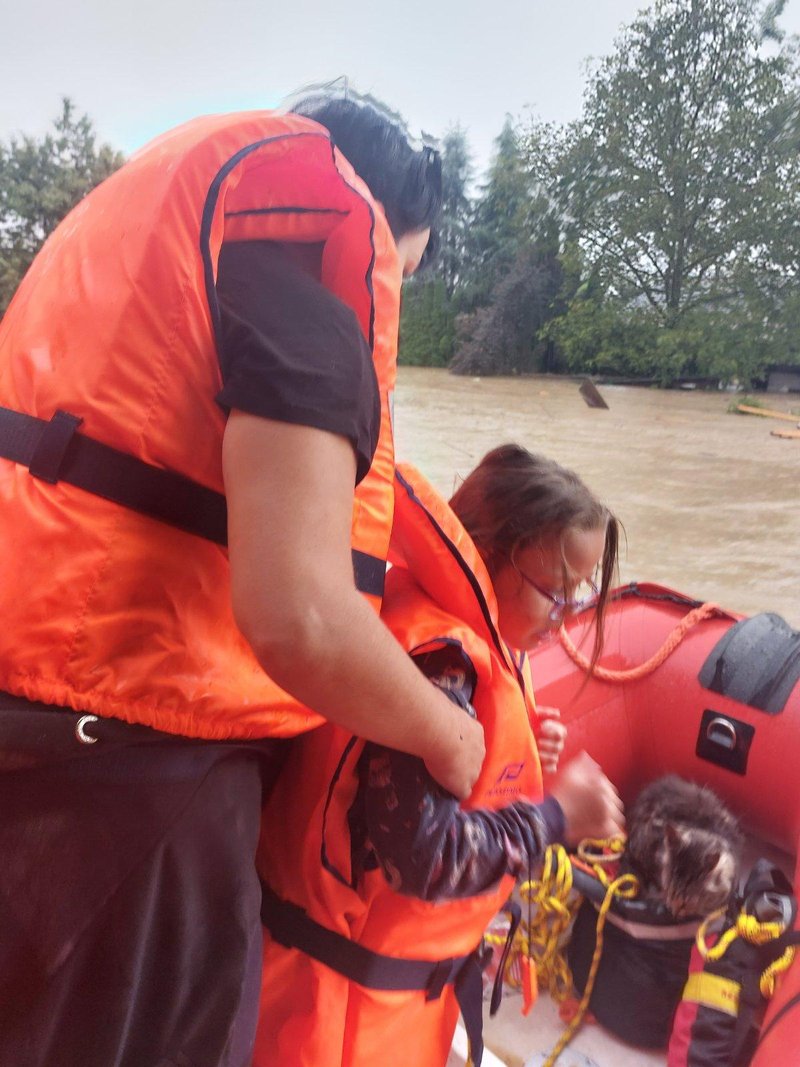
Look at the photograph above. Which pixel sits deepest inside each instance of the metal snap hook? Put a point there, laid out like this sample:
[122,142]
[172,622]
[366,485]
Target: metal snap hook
[80,729]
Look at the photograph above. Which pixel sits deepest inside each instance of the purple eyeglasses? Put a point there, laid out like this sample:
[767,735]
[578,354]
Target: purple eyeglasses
[560,604]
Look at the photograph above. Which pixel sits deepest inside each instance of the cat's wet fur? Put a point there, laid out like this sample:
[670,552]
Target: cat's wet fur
[684,846]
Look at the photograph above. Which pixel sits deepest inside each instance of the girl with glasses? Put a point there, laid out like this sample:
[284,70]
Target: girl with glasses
[380,882]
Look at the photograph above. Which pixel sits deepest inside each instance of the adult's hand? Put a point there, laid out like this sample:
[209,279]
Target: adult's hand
[458,764]
[290,497]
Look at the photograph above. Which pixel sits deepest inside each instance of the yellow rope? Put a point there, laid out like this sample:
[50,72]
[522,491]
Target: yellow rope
[626,886]
[543,938]
[783,963]
[598,852]
[717,951]
[749,929]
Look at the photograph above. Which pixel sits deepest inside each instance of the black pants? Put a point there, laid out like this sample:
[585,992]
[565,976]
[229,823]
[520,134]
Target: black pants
[129,902]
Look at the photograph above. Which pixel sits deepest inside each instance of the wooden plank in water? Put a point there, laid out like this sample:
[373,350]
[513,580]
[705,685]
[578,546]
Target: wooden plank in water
[766,412]
[794,434]
[591,394]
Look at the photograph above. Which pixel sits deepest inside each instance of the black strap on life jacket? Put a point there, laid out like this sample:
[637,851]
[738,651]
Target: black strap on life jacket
[54,451]
[292,927]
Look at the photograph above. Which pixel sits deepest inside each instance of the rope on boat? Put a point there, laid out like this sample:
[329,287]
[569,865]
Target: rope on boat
[695,616]
[626,886]
[596,852]
[750,929]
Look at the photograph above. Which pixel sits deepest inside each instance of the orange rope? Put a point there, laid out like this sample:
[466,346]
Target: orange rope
[669,646]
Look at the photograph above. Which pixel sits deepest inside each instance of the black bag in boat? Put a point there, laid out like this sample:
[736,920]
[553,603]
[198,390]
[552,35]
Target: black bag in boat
[718,1020]
[643,965]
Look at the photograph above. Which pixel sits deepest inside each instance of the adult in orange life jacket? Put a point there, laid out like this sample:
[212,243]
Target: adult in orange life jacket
[219,317]
[379,885]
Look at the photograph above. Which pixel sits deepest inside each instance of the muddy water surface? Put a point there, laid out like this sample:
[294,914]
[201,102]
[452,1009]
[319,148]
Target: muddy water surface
[710,501]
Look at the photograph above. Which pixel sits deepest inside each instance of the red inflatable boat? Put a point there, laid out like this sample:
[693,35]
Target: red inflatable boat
[700,692]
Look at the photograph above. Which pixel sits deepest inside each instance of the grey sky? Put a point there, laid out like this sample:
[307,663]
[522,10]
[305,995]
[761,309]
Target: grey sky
[140,67]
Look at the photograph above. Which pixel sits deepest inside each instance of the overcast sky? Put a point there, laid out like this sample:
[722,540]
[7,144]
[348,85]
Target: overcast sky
[141,66]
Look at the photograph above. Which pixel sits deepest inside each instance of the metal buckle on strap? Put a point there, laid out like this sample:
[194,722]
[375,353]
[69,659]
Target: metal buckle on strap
[80,730]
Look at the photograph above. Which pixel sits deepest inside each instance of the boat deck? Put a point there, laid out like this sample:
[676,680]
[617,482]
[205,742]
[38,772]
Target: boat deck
[518,1040]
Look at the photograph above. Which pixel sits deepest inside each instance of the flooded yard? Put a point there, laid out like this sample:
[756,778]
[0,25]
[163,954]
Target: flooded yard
[710,501]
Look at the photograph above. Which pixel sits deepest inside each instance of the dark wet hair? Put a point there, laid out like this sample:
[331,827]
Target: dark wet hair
[407,181]
[514,499]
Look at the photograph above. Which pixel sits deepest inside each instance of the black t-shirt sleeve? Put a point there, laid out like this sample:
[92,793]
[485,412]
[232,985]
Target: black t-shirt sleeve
[291,351]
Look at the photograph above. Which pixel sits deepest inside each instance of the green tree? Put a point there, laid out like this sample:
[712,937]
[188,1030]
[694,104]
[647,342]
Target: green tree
[675,177]
[501,219]
[521,282]
[456,217]
[599,337]
[505,337]
[427,323]
[40,181]
[544,147]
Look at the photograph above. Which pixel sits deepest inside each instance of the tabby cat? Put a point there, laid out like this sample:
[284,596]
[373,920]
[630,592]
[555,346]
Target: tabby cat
[684,846]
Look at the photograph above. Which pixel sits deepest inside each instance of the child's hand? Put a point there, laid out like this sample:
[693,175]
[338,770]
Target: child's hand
[590,803]
[551,739]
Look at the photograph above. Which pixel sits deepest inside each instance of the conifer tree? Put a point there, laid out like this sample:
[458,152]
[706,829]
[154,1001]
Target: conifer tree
[40,181]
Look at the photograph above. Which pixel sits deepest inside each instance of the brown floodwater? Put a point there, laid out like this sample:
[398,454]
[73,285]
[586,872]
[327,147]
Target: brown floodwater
[710,501]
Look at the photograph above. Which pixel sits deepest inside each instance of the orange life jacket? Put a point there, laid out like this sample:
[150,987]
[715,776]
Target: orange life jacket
[312,1016]
[104,609]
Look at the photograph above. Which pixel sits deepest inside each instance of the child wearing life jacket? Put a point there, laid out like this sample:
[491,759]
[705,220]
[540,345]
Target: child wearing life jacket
[379,883]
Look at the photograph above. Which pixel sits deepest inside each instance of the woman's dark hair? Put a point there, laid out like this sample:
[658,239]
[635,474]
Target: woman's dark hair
[514,499]
[407,181]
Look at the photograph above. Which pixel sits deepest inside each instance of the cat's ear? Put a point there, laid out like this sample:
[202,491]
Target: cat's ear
[711,859]
[672,835]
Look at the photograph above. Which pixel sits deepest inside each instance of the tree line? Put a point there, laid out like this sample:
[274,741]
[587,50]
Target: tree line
[655,237]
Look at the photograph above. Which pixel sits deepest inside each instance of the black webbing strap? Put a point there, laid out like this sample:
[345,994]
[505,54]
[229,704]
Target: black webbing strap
[515,917]
[369,572]
[48,455]
[292,927]
[54,451]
